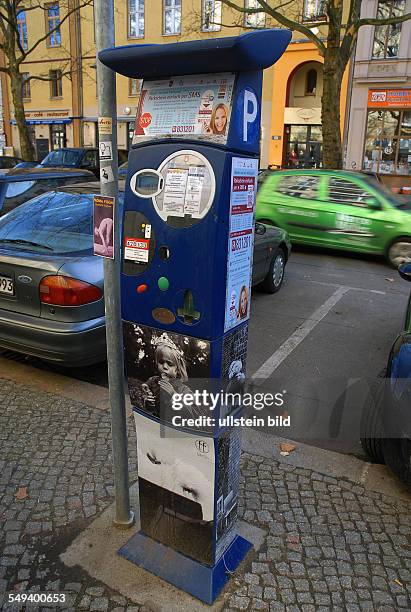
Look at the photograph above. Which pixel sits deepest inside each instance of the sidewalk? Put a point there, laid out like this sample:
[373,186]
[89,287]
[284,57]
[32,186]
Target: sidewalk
[328,542]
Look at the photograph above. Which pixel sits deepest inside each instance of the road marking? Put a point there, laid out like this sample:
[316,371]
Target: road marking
[298,336]
[349,288]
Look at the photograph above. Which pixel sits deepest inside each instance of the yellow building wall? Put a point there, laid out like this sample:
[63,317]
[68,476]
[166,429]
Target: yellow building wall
[46,58]
[296,55]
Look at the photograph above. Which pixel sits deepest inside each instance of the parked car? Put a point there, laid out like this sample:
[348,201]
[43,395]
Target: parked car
[27,164]
[6,161]
[51,284]
[338,209]
[86,158]
[22,184]
[386,418]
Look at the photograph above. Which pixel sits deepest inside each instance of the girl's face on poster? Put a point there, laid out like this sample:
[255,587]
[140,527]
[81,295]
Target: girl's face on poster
[243,303]
[166,363]
[220,120]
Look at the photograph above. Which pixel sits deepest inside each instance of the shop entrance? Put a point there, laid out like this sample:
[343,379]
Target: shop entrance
[58,136]
[303,146]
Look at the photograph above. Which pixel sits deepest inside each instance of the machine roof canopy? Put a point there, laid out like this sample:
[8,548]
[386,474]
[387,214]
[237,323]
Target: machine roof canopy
[251,51]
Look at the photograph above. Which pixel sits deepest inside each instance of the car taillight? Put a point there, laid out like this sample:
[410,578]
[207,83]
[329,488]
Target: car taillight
[67,291]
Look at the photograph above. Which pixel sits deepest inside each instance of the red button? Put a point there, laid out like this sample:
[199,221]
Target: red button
[141,288]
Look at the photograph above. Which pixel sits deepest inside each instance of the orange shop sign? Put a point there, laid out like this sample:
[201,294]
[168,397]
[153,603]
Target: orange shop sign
[389,98]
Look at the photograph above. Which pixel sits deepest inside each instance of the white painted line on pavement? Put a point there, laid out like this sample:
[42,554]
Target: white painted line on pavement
[298,336]
[350,288]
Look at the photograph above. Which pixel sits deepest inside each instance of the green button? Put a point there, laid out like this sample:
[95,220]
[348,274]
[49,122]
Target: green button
[163,283]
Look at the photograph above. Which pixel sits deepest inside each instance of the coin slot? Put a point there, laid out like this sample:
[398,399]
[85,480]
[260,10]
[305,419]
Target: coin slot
[164,253]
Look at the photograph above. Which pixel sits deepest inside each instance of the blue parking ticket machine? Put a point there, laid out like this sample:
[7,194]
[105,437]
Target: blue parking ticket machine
[187,245]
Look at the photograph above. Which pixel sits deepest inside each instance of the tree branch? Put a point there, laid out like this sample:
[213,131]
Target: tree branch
[292,24]
[389,21]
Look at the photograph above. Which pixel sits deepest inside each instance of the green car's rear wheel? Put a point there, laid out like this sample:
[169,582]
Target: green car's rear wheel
[399,252]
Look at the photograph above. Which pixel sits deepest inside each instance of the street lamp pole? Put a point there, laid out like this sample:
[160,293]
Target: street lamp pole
[107,128]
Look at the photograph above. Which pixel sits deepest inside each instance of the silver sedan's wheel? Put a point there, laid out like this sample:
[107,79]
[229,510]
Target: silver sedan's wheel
[399,253]
[278,270]
[275,275]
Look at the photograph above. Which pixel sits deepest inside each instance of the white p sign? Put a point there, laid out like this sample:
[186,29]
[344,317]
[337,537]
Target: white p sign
[249,116]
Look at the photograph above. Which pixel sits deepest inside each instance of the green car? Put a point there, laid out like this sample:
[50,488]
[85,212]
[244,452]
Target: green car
[337,209]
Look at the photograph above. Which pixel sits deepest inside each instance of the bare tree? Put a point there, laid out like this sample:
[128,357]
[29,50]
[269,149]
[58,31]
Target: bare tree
[336,49]
[16,50]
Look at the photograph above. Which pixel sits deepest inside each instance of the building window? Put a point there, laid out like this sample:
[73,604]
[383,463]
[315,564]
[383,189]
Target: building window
[53,25]
[172,17]
[25,90]
[22,29]
[388,142]
[136,18]
[314,10]
[311,82]
[134,86]
[56,84]
[211,16]
[387,37]
[253,20]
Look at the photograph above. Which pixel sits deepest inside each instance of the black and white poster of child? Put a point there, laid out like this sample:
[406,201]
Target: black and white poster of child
[103,222]
[161,364]
[233,369]
[176,488]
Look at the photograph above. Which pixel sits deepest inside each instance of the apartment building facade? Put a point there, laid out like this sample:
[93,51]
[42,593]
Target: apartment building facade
[379,135]
[63,111]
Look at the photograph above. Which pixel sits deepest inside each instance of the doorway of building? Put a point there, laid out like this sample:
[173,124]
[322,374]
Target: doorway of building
[58,136]
[303,146]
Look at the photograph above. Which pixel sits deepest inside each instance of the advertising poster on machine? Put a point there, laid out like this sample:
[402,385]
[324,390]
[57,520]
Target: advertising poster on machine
[186,106]
[244,173]
[103,226]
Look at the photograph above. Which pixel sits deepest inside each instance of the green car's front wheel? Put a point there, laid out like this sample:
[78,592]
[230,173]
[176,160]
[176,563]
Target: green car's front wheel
[399,252]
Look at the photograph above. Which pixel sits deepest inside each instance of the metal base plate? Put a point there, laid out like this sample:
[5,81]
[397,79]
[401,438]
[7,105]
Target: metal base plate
[201,581]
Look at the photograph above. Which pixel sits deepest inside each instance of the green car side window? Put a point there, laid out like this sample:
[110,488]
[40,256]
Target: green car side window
[342,191]
[299,186]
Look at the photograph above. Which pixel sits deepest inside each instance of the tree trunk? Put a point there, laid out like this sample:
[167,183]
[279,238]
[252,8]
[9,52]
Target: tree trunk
[26,146]
[330,111]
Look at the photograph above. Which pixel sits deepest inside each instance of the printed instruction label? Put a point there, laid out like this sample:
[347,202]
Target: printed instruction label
[106,151]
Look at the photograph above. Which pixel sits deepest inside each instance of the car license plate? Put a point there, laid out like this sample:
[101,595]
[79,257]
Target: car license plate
[6,285]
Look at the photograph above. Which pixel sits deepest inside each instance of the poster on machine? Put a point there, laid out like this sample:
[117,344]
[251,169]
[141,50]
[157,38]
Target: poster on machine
[244,174]
[186,106]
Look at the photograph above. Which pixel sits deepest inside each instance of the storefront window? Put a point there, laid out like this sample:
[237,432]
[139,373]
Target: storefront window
[58,136]
[304,146]
[387,142]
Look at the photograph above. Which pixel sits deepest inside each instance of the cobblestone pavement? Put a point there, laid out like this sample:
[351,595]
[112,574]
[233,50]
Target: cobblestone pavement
[330,544]
[61,451]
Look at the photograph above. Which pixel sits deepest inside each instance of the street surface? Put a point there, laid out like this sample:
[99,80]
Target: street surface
[329,328]
[335,530]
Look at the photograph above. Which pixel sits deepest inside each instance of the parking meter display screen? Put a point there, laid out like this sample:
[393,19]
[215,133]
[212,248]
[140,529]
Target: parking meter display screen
[189,188]
[196,106]
[147,183]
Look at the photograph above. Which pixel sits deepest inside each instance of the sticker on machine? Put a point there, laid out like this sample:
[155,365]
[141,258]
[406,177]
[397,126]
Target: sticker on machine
[136,249]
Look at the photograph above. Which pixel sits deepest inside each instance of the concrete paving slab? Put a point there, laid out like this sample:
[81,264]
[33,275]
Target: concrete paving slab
[95,551]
